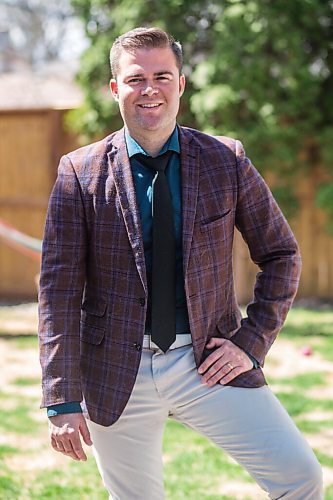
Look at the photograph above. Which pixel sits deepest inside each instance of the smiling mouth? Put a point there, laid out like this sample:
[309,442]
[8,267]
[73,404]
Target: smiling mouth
[150,105]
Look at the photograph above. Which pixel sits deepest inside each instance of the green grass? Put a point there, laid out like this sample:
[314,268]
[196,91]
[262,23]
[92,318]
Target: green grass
[329,493]
[194,468]
[24,341]
[10,489]
[18,420]
[313,427]
[296,403]
[69,484]
[200,464]
[6,450]
[307,380]
[311,327]
[26,382]
[324,459]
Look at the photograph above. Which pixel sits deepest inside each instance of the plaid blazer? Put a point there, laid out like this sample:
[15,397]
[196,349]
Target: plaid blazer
[93,289]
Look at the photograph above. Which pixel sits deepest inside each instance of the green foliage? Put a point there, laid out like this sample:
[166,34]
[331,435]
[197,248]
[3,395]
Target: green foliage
[287,199]
[324,199]
[261,71]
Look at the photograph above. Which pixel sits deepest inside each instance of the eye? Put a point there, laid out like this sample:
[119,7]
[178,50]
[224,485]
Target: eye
[134,80]
[163,78]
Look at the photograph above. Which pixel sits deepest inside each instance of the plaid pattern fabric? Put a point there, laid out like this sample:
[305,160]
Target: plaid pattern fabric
[93,290]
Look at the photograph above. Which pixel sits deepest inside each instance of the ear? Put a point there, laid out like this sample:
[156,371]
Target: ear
[114,89]
[181,85]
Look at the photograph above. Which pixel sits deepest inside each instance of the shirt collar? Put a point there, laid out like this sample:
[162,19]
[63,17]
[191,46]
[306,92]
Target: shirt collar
[172,144]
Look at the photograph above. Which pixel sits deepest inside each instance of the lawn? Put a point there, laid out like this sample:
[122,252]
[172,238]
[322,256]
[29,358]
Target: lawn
[299,369]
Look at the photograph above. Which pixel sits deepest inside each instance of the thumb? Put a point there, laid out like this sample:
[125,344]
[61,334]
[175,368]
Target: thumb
[214,342]
[85,433]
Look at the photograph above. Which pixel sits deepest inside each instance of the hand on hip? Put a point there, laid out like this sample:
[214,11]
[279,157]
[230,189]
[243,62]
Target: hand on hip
[225,363]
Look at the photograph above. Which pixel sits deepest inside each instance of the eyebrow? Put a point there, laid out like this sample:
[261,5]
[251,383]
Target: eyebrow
[158,73]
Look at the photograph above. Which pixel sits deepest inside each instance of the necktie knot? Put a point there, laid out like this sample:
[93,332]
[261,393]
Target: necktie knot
[157,163]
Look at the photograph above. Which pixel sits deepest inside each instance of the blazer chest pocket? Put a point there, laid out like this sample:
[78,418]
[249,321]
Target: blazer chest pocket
[93,321]
[218,225]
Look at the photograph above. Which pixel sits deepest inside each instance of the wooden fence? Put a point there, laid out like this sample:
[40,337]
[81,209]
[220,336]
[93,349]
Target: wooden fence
[309,227]
[31,143]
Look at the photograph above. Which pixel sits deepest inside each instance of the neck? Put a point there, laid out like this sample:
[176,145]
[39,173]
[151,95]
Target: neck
[152,143]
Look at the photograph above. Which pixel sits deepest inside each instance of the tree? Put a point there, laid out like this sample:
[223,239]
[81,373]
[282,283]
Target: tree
[37,32]
[258,70]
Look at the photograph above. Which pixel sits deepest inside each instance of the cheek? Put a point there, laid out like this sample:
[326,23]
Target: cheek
[126,97]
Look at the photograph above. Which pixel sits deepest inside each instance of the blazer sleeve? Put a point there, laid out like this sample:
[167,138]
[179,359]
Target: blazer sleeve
[61,287]
[274,249]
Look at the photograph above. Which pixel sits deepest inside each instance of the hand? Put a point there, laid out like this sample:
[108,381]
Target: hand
[65,433]
[225,363]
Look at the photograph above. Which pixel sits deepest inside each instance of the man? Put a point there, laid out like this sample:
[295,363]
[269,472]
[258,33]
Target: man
[130,336]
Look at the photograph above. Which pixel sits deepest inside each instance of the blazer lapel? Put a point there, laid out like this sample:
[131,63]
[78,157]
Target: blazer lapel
[121,170]
[189,159]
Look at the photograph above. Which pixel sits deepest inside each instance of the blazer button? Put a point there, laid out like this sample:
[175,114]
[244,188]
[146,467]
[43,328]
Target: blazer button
[137,346]
[142,301]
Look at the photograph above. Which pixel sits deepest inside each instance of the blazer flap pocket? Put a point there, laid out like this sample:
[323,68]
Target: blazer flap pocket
[91,334]
[93,320]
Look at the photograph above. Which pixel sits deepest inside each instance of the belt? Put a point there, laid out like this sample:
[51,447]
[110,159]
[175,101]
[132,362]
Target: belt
[181,340]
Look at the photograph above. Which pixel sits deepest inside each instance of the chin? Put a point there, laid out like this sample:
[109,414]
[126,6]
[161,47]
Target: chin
[151,127]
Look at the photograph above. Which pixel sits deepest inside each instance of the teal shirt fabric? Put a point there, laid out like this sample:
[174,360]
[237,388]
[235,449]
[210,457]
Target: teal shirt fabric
[143,178]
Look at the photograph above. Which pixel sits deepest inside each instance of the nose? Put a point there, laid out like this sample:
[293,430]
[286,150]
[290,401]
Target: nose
[149,90]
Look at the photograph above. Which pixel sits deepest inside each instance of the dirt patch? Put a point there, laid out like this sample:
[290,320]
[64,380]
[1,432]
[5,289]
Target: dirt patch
[286,359]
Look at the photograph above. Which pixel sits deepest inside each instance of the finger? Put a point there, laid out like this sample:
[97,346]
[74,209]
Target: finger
[76,446]
[217,372]
[64,445]
[57,444]
[64,449]
[231,375]
[85,433]
[69,450]
[54,444]
[78,450]
[216,378]
[210,360]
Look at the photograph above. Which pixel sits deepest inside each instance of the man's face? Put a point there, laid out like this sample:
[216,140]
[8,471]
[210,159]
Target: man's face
[148,88]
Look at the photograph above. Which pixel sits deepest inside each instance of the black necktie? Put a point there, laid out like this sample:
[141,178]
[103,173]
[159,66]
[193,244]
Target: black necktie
[163,281]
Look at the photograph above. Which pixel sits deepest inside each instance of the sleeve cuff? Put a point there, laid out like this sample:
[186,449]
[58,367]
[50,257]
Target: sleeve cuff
[254,361]
[62,408]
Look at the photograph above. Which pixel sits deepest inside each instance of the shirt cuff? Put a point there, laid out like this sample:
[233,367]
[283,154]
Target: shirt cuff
[254,361]
[62,408]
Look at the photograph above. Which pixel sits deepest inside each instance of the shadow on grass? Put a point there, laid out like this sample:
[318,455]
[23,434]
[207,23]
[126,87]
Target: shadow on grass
[14,336]
[20,341]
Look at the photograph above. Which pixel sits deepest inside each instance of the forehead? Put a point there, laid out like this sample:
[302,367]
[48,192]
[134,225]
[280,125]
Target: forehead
[152,60]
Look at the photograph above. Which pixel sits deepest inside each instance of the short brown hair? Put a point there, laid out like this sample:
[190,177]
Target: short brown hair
[144,38]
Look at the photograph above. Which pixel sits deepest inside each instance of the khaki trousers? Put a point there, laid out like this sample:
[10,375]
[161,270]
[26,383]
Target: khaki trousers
[249,424]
